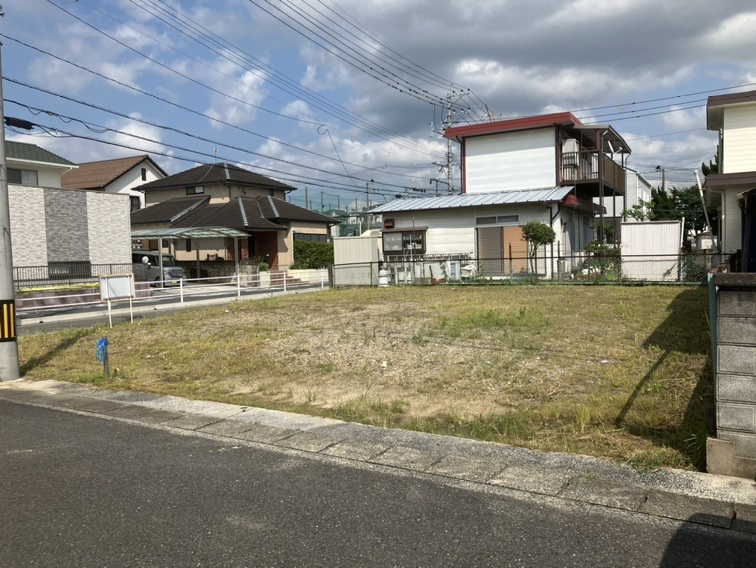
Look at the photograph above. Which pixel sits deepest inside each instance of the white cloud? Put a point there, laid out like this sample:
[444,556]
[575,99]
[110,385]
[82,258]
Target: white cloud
[236,104]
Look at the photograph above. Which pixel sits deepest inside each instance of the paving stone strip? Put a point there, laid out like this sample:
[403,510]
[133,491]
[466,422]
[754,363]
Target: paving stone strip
[717,501]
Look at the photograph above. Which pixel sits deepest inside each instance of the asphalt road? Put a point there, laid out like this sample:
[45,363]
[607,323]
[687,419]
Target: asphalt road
[88,491]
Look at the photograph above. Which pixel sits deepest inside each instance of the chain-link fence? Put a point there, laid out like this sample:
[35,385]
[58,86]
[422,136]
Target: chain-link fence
[690,268]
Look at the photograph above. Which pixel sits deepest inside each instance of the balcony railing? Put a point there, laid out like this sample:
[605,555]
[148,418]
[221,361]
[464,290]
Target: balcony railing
[583,167]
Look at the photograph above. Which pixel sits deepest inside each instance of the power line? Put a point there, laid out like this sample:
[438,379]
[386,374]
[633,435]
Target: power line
[184,133]
[362,123]
[99,129]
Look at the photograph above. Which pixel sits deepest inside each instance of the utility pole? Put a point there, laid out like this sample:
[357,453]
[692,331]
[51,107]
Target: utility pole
[9,366]
[367,207]
[664,178]
[449,154]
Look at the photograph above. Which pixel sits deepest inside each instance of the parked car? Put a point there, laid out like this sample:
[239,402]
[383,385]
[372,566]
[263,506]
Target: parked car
[147,268]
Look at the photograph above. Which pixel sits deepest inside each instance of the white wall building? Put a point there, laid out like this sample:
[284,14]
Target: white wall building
[734,116]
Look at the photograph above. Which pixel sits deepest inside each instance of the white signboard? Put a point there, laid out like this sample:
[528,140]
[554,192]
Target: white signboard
[117,287]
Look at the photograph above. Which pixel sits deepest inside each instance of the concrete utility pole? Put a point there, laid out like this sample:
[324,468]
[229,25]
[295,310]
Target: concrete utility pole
[449,153]
[9,367]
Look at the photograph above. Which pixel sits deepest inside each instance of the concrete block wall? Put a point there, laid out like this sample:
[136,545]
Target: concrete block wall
[733,452]
[68,225]
[109,228]
[67,235]
[28,225]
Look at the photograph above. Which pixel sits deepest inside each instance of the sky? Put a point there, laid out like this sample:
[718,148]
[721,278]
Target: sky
[345,99]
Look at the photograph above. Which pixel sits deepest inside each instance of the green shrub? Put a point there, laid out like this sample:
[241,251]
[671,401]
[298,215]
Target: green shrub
[311,254]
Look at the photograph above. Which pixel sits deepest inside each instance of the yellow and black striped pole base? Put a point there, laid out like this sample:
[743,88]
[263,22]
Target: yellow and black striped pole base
[8,323]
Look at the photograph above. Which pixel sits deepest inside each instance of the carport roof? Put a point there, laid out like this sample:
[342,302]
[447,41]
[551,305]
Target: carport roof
[187,233]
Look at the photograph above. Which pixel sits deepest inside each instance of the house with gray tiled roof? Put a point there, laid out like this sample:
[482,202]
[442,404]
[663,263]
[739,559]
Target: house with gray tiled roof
[61,231]
[120,175]
[223,195]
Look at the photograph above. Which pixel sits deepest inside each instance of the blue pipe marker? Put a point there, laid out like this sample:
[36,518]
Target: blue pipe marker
[102,356]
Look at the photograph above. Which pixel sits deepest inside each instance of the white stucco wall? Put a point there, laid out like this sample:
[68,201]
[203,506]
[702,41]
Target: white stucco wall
[126,183]
[739,139]
[452,231]
[508,161]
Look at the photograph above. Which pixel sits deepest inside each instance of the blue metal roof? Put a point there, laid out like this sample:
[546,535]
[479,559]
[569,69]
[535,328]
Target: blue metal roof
[518,196]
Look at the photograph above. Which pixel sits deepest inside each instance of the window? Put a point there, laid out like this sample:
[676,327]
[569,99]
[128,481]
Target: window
[195,190]
[22,177]
[508,219]
[144,174]
[404,242]
[485,220]
[135,205]
[321,238]
[498,220]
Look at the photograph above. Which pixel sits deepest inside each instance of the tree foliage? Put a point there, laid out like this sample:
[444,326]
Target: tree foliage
[536,234]
[680,203]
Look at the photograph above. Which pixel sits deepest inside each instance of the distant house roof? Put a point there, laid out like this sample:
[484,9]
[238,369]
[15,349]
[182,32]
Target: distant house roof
[547,195]
[168,211]
[243,213]
[263,213]
[280,210]
[32,153]
[98,175]
[512,125]
[715,107]
[216,173]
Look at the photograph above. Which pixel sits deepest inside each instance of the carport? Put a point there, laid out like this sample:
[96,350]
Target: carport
[195,233]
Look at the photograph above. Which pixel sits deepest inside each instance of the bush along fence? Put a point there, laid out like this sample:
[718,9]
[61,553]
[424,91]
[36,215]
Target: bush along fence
[691,268]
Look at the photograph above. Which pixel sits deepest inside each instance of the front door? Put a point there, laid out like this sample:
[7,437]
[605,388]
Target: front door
[501,251]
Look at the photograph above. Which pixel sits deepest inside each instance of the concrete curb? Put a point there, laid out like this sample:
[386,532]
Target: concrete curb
[718,501]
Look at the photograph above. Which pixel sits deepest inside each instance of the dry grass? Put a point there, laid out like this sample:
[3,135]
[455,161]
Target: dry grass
[616,372]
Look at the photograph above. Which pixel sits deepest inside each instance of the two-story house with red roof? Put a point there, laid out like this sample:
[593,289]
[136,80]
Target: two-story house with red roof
[547,168]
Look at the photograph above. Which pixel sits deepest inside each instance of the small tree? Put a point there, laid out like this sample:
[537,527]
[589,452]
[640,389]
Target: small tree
[536,234]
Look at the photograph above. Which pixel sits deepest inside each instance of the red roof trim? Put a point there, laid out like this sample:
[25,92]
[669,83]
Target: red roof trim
[525,123]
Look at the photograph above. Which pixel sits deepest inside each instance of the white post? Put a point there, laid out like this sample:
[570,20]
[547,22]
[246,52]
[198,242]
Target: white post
[238,285]
[284,281]
[181,289]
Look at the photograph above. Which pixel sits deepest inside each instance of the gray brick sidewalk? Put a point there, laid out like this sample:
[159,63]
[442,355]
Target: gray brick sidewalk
[720,501]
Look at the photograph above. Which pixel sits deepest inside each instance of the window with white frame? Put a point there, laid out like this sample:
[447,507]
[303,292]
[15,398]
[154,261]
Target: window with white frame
[195,190]
[22,177]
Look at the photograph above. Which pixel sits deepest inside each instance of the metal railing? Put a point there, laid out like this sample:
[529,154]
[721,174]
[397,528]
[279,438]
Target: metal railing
[64,273]
[194,289]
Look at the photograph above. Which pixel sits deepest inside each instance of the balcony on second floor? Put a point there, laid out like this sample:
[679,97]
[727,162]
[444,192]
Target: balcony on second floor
[586,159]
[582,168]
